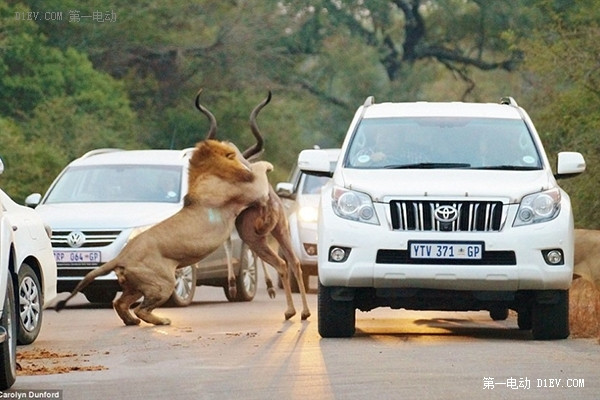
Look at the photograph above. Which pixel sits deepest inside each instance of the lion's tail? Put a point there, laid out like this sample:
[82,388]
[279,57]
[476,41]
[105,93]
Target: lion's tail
[100,271]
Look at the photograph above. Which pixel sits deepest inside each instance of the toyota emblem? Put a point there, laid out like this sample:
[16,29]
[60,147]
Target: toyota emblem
[446,213]
[76,239]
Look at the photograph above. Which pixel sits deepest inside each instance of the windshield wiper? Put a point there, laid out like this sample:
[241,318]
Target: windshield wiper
[428,165]
[510,167]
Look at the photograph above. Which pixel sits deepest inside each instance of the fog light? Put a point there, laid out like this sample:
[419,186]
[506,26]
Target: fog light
[338,254]
[310,248]
[554,257]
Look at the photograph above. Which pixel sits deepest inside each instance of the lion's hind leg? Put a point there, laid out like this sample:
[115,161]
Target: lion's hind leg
[123,304]
[150,302]
[129,296]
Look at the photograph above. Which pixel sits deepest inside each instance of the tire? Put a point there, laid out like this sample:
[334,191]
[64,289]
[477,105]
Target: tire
[185,287]
[100,295]
[337,319]
[29,306]
[550,321]
[499,314]
[247,278]
[8,348]
[524,318]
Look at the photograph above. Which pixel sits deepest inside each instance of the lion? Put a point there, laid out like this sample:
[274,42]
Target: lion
[221,185]
[587,256]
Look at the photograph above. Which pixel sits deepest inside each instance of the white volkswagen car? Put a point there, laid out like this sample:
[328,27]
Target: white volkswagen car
[107,196]
[27,280]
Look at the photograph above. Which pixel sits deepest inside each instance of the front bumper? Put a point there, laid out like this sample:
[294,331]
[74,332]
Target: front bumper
[304,240]
[363,268]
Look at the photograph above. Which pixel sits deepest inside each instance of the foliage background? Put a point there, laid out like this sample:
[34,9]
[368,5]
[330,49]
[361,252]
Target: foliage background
[129,77]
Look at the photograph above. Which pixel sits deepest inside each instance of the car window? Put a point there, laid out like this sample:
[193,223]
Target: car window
[432,142]
[118,183]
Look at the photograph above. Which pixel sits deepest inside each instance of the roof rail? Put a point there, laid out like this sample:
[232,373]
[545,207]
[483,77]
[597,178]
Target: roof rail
[99,151]
[509,101]
[369,101]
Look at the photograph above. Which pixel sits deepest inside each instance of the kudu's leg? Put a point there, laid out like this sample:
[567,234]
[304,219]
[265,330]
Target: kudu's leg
[268,280]
[281,233]
[262,249]
[232,286]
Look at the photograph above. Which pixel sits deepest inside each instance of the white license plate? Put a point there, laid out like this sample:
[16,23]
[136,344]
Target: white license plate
[444,251]
[77,257]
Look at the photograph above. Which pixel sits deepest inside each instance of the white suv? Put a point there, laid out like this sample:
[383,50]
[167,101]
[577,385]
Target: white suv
[107,196]
[444,206]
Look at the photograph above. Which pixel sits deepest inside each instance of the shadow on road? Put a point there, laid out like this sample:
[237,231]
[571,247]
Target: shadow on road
[445,327]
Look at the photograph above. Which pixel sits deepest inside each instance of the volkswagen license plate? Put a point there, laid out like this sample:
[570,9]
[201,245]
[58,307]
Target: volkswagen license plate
[77,257]
[446,250]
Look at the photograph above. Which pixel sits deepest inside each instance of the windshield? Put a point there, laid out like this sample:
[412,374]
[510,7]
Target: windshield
[313,184]
[443,142]
[118,183]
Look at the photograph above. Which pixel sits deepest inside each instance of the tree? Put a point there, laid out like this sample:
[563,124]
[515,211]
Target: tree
[406,34]
[54,106]
[27,164]
[563,79]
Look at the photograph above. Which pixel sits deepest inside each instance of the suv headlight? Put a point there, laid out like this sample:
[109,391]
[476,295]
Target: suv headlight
[356,206]
[538,207]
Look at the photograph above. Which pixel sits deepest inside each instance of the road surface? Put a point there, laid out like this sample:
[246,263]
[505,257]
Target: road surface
[220,350]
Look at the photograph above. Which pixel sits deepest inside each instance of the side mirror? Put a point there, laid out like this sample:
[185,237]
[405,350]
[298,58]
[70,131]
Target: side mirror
[569,164]
[33,200]
[284,189]
[315,162]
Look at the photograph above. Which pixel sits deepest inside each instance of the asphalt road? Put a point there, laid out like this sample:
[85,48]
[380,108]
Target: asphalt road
[220,350]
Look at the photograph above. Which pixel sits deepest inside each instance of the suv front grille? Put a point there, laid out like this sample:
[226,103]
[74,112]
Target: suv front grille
[60,239]
[408,215]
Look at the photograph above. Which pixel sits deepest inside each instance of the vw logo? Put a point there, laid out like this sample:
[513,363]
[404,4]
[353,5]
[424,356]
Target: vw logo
[446,213]
[76,239]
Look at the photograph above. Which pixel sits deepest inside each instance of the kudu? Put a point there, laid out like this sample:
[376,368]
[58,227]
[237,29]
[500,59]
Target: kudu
[257,222]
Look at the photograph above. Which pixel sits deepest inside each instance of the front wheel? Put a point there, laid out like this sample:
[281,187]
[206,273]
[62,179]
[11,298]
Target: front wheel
[337,318]
[246,279]
[524,318]
[30,305]
[550,320]
[8,348]
[185,287]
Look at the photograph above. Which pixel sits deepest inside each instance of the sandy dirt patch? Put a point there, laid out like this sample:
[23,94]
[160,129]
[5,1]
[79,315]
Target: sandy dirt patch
[43,362]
